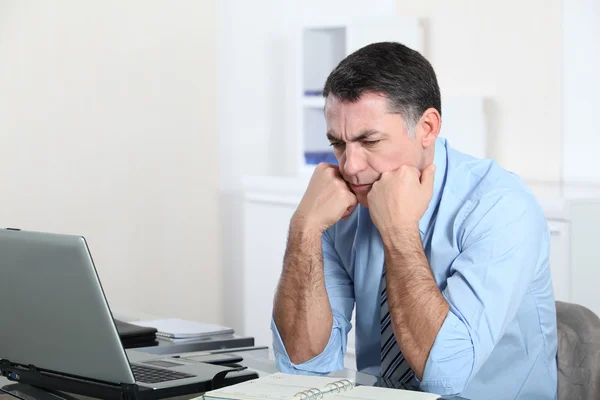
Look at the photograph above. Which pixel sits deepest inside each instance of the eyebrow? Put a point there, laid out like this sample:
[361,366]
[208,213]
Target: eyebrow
[361,136]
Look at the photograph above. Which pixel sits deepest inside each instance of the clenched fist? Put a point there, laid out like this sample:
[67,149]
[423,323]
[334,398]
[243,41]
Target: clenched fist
[326,200]
[400,197]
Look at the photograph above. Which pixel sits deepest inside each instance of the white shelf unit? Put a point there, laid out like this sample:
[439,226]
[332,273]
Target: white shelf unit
[321,47]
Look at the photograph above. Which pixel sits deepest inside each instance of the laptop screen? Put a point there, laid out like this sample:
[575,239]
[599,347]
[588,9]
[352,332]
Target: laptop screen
[55,313]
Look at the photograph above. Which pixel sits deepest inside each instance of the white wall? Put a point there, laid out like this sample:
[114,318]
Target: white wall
[108,129]
[511,51]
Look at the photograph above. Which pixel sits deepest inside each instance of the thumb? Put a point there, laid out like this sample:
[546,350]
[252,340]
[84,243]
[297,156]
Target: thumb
[348,212]
[427,176]
[351,208]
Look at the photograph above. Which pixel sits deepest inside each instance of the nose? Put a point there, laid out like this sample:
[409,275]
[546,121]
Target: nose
[354,160]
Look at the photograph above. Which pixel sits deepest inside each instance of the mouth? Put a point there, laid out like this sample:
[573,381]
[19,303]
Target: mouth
[361,189]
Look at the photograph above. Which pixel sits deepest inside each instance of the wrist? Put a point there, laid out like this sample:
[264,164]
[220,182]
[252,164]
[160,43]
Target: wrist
[400,232]
[305,227]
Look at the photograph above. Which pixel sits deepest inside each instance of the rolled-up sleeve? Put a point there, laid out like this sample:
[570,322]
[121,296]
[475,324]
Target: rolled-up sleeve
[503,239]
[340,291]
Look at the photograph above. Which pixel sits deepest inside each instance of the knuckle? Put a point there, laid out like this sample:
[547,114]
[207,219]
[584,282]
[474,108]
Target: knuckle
[408,171]
[322,166]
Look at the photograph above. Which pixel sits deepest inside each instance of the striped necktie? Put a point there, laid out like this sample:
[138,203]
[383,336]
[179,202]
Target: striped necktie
[394,367]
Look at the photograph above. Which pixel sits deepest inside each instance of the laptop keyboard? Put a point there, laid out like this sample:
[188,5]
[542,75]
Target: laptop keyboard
[156,375]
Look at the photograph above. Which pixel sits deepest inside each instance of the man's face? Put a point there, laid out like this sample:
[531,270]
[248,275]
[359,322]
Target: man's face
[368,140]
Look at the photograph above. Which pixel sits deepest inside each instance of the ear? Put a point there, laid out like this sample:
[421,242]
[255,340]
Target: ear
[429,126]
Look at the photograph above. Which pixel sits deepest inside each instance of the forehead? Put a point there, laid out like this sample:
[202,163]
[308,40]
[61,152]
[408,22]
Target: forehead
[369,112]
[368,106]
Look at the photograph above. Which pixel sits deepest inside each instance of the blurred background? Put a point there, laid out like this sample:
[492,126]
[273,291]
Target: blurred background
[178,136]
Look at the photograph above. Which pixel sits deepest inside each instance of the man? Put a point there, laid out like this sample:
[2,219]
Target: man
[445,256]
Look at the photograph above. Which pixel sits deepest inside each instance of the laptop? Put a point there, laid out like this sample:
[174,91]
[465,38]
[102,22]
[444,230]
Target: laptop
[58,331]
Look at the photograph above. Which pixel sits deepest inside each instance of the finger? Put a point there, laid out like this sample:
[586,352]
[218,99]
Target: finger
[353,204]
[348,212]
[325,165]
[337,173]
[344,184]
[428,176]
[327,168]
[412,171]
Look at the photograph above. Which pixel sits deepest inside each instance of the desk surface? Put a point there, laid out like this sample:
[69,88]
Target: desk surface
[260,360]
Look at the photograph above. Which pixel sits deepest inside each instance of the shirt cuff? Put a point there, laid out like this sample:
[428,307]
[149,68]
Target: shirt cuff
[331,358]
[450,363]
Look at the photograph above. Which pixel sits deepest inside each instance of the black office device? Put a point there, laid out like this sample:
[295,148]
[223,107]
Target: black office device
[135,336]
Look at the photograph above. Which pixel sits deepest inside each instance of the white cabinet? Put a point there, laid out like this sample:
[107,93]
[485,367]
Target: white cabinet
[583,217]
[573,214]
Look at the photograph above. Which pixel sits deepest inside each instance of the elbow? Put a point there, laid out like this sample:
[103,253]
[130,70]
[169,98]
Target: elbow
[302,351]
[302,345]
[452,387]
[452,359]
[297,348]
[306,358]
[303,354]
[448,374]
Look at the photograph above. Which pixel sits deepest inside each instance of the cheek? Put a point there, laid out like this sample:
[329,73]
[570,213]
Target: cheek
[388,162]
[398,156]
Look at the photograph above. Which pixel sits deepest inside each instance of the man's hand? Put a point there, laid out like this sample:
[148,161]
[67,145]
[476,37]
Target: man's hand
[401,197]
[326,200]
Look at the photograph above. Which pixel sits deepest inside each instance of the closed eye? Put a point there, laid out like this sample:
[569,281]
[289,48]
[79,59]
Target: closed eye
[370,142]
[337,145]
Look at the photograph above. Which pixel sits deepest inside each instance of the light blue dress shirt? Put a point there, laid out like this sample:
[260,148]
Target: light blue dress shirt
[487,243]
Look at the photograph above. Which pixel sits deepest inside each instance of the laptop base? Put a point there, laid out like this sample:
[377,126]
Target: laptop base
[105,390]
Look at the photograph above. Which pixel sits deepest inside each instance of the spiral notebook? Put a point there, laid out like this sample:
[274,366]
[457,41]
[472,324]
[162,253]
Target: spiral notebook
[301,387]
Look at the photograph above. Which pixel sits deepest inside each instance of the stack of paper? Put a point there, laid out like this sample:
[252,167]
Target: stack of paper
[178,330]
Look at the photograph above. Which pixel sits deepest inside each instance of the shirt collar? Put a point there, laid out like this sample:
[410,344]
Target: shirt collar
[439,159]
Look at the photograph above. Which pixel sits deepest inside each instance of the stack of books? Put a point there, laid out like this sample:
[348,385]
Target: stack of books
[180,330]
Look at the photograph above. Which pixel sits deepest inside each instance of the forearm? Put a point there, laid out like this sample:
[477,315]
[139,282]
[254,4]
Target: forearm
[302,311]
[417,307]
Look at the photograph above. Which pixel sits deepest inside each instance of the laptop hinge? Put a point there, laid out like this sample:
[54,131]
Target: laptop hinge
[129,389]
[11,370]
